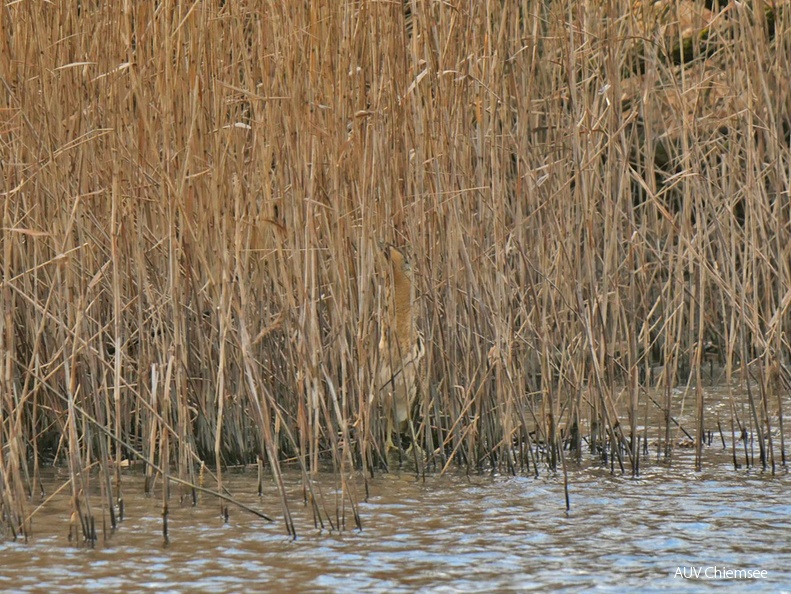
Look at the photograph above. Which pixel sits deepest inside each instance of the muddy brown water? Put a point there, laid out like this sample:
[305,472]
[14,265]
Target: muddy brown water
[451,533]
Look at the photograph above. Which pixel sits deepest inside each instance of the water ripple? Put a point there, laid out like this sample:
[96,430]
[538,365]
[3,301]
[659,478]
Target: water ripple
[449,534]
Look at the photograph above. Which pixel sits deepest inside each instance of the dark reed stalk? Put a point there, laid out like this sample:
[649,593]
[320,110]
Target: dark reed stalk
[780,379]
[766,422]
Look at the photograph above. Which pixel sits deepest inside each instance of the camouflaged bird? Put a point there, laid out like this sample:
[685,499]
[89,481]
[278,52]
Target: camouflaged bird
[401,347]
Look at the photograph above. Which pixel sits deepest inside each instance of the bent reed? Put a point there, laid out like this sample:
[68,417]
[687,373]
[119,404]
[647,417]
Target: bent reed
[595,198]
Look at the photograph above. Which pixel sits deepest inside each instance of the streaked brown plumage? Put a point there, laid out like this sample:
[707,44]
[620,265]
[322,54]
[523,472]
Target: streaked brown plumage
[400,346]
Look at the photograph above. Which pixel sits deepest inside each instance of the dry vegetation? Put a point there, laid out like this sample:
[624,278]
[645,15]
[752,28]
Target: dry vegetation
[594,196]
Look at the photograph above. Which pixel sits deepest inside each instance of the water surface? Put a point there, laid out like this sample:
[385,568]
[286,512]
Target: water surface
[445,534]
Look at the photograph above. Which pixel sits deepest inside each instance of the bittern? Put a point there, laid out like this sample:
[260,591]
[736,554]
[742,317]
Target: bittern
[401,346]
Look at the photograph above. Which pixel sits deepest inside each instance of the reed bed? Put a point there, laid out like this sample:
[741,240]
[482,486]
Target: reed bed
[594,197]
